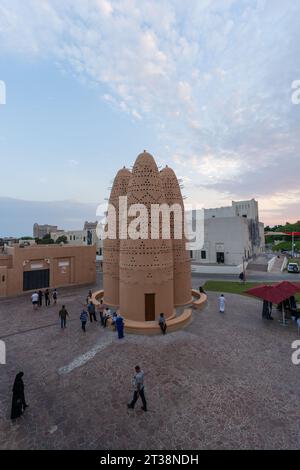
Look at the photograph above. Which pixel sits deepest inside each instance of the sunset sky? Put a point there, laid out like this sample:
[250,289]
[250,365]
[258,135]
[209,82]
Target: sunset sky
[203,85]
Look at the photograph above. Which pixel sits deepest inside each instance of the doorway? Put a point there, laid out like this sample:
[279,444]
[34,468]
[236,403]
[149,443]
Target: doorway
[149,307]
[220,257]
[35,279]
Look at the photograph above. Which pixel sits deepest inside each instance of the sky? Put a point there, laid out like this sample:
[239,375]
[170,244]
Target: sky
[205,86]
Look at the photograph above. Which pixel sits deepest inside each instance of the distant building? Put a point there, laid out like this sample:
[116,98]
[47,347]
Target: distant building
[90,225]
[8,241]
[87,236]
[26,268]
[231,234]
[39,231]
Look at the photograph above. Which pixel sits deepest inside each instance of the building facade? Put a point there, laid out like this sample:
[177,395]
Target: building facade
[39,231]
[87,237]
[231,234]
[26,268]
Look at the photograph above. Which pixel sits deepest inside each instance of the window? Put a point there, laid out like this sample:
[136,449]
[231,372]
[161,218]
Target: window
[203,254]
[3,278]
[191,254]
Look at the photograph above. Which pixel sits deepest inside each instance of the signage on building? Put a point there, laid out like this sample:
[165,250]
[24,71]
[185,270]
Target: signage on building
[36,266]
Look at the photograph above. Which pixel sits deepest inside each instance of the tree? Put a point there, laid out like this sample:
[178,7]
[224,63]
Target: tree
[46,240]
[62,239]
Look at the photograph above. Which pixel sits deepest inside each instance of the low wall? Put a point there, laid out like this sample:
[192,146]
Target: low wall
[217,269]
[271,263]
[284,264]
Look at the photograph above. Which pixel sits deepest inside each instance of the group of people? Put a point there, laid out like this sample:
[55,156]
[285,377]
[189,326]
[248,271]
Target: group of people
[37,298]
[90,312]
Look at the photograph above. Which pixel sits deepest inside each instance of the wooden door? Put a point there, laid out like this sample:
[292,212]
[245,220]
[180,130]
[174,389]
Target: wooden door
[149,307]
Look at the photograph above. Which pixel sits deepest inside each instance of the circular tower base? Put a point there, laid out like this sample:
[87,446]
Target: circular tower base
[174,322]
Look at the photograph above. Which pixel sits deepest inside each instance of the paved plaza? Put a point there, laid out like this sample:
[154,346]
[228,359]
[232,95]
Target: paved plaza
[226,381]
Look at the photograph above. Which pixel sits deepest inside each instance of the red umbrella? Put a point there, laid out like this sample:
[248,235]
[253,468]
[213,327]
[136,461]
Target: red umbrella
[276,293]
[287,287]
[267,293]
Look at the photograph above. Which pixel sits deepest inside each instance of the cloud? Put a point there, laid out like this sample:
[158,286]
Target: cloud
[212,78]
[73,163]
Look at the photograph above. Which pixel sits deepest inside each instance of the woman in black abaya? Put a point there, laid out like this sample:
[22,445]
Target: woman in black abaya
[18,400]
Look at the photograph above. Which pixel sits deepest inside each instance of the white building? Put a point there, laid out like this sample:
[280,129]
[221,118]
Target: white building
[87,236]
[231,234]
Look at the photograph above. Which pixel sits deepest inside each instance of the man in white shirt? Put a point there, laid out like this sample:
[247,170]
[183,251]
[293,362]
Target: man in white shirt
[222,303]
[107,314]
[35,300]
[138,389]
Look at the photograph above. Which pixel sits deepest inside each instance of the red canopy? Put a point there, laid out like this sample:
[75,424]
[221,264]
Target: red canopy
[288,288]
[275,293]
[266,293]
[297,234]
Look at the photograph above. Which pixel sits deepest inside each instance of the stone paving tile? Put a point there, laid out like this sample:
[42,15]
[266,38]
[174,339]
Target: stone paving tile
[223,382]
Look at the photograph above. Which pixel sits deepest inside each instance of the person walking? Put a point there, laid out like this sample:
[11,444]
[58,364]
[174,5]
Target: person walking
[18,400]
[35,300]
[63,314]
[47,297]
[120,326]
[138,389]
[101,311]
[222,302]
[92,311]
[83,319]
[162,323]
[40,294]
[54,296]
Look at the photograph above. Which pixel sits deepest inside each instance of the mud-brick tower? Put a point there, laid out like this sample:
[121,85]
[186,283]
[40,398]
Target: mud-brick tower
[181,259]
[146,265]
[111,247]
[146,276]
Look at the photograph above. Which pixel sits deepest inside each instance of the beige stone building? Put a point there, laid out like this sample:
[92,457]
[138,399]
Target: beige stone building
[33,267]
[39,231]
